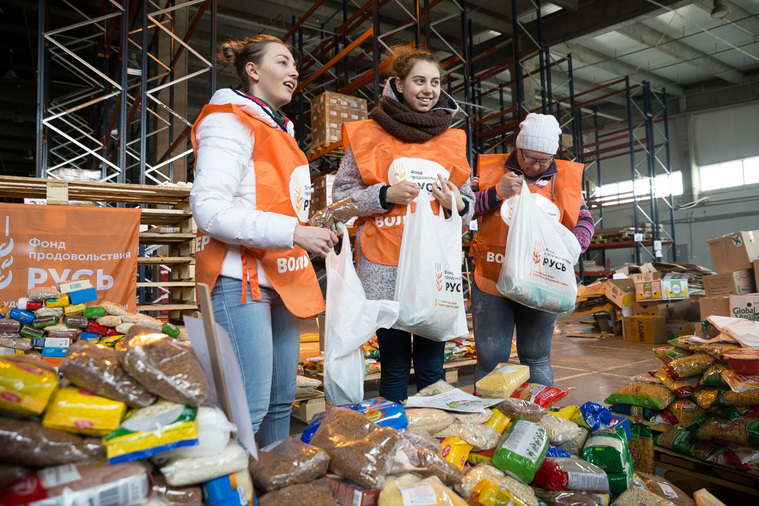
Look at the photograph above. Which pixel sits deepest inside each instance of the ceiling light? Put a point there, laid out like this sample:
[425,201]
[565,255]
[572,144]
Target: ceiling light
[720,10]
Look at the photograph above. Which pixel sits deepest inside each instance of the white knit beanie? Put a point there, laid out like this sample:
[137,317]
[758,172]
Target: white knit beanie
[539,132]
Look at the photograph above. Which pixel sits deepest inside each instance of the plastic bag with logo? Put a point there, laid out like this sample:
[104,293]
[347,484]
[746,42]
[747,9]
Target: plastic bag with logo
[350,320]
[428,286]
[538,261]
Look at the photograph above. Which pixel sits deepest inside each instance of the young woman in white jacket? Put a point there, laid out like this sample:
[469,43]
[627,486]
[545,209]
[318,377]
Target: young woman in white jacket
[250,201]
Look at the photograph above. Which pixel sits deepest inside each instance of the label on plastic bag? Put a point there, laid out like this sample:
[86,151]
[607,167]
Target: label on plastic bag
[586,481]
[523,438]
[506,369]
[418,494]
[59,475]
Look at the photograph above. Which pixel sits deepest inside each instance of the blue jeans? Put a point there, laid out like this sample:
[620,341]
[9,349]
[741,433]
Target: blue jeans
[265,336]
[494,319]
[395,359]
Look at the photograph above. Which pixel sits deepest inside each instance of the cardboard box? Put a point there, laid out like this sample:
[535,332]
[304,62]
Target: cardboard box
[347,494]
[671,286]
[680,329]
[644,329]
[734,252]
[681,310]
[622,293]
[329,111]
[714,306]
[745,306]
[730,283]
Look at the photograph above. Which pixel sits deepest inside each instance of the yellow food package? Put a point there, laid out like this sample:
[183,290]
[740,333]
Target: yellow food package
[499,421]
[567,412]
[487,493]
[503,380]
[157,428]
[25,388]
[82,412]
[455,451]
[110,340]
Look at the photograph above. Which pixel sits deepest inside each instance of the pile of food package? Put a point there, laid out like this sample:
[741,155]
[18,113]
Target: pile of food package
[703,402]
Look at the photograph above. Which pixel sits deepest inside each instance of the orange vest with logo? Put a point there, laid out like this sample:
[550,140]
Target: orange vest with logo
[375,150]
[564,190]
[276,155]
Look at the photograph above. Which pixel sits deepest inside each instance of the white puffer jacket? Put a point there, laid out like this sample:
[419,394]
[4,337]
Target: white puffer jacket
[223,196]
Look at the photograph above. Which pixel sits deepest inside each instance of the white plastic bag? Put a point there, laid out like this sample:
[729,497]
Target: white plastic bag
[350,320]
[538,266]
[428,286]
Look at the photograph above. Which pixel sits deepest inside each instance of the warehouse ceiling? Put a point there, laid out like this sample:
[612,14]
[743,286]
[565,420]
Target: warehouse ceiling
[705,53]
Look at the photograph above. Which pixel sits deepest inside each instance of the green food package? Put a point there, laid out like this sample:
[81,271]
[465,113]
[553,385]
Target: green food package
[712,377]
[607,449]
[642,394]
[521,450]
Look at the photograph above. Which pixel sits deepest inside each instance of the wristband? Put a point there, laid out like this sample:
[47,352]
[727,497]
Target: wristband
[499,193]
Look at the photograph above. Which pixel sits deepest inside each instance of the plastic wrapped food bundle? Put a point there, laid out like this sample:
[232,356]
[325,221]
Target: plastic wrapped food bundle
[480,436]
[570,497]
[665,489]
[112,308]
[305,494]
[571,474]
[517,408]
[25,385]
[175,496]
[189,471]
[559,430]
[82,485]
[439,387]
[641,497]
[409,489]
[288,462]
[481,417]
[213,433]
[519,491]
[366,461]
[521,450]
[742,431]
[166,367]
[542,395]
[428,419]
[575,445]
[97,369]
[341,426]
[28,443]
[502,381]
[692,365]
[641,394]
[686,411]
[430,463]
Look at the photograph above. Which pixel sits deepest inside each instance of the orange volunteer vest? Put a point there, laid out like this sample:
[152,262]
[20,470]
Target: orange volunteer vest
[280,188]
[564,190]
[381,158]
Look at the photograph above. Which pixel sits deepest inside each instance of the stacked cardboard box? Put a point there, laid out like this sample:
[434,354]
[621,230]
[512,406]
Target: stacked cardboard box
[732,291]
[328,113]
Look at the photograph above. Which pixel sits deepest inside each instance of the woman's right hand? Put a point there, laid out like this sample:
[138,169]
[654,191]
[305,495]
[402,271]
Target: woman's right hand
[402,193]
[509,185]
[318,241]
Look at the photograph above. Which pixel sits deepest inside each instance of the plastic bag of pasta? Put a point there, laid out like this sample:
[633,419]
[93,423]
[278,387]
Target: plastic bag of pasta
[641,394]
[502,381]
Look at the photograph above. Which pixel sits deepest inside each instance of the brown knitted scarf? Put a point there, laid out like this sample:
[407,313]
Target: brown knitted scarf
[408,125]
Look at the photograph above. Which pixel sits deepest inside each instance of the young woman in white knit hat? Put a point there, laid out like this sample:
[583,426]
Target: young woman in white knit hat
[500,177]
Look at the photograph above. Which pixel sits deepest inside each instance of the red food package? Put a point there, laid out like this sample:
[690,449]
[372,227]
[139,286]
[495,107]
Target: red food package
[541,395]
[558,473]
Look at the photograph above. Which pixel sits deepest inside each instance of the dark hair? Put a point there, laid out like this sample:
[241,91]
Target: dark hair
[238,53]
[403,58]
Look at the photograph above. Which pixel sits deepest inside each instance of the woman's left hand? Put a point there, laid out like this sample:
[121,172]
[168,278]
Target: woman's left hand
[442,192]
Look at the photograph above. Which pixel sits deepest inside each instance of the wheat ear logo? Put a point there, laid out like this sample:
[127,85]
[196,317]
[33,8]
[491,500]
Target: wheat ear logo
[298,193]
[537,252]
[439,276]
[5,250]
[400,172]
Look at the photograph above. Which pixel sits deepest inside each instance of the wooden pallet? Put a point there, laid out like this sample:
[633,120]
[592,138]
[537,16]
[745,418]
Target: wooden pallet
[706,471]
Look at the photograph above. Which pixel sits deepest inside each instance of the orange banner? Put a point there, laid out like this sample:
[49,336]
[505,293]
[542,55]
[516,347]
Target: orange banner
[43,246]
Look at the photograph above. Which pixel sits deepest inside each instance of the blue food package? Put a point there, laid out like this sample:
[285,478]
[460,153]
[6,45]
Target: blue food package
[635,411]
[554,452]
[224,491]
[383,412]
[595,415]
[621,421]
